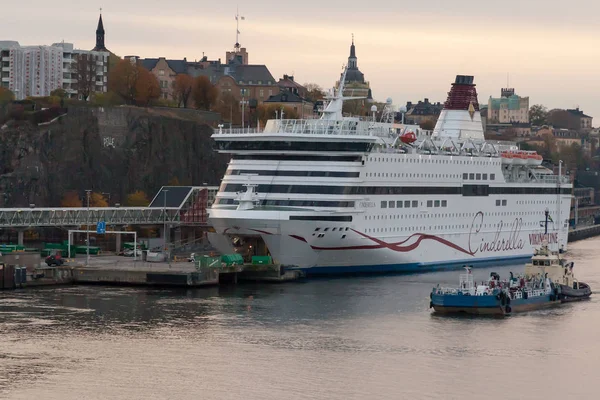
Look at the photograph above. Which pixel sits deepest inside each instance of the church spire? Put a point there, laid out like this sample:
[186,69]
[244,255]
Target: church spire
[352,62]
[100,34]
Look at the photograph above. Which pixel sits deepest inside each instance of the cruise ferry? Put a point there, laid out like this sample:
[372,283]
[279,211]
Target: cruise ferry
[343,194]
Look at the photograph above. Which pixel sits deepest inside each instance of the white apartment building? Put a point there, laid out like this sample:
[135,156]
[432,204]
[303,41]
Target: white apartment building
[38,70]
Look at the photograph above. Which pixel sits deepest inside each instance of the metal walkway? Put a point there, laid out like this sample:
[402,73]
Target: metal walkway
[185,205]
[53,217]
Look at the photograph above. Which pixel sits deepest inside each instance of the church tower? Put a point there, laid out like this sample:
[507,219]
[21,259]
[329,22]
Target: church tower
[100,36]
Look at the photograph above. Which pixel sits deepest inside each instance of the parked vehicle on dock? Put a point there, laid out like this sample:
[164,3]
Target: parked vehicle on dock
[55,259]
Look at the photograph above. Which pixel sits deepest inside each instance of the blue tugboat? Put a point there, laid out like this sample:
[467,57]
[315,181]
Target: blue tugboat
[548,280]
[495,297]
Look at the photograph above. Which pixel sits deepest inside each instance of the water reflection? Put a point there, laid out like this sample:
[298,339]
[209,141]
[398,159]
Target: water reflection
[367,337]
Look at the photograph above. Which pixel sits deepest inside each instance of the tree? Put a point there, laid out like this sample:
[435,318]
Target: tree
[229,108]
[6,96]
[71,199]
[60,93]
[356,107]
[204,93]
[85,69]
[182,88]
[134,83]
[98,200]
[123,80]
[314,92]
[137,199]
[538,115]
[174,181]
[147,87]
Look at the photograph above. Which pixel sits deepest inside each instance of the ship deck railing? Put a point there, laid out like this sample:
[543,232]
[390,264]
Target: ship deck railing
[346,127]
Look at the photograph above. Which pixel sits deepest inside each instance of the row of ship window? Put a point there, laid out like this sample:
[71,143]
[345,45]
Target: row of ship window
[413,203]
[478,177]
[435,228]
[458,215]
[488,161]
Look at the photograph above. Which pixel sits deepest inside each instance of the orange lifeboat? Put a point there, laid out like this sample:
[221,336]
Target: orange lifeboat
[534,159]
[408,137]
[520,158]
[507,157]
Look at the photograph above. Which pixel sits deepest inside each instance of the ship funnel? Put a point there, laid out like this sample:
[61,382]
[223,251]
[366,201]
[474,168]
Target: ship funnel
[460,118]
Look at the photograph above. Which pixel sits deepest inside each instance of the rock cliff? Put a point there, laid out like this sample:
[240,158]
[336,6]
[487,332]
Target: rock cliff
[114,150]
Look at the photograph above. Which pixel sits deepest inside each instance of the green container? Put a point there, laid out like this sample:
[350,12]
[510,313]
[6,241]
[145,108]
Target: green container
[83,250]
[131,245]
[209,262]
[262,260]
[232,259]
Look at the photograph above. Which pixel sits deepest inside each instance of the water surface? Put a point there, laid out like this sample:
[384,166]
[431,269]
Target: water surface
[349,338]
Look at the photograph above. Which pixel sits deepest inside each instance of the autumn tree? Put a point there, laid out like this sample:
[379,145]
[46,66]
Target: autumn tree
[137,199]
[60,93]
[85,69]
[174,181]
[314,92]
[134,83]
[71,199]
[6,96]
[229,108]
[98,200]
[204,93]
[538,115]
[123,80]
[182,88]
[147,87]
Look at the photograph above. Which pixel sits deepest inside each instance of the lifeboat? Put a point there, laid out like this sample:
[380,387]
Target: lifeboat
[507,157]
[534,159]
[408,137]
[520,158]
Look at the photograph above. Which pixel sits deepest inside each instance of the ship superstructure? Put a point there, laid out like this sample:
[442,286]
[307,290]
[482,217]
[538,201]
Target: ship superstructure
[342,194]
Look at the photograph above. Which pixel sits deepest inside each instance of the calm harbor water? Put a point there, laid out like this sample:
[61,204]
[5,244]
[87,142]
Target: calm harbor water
[349,338]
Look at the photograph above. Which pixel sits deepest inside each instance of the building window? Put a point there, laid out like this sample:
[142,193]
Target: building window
[497,203]
[465,176]
[391,204]
[261,95]
[415,203]
[503,202]
[270,92]
[429,203]
[478,177]
[384,204]
[407,204]
[161,72]
[492,177]
[444,203]
[399,204]
[484,176]
[471,176]
[437,203]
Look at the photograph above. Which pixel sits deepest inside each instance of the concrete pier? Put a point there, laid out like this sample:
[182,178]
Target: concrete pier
[584,233]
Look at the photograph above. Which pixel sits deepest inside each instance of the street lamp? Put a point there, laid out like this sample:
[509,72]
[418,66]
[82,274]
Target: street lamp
[87,231]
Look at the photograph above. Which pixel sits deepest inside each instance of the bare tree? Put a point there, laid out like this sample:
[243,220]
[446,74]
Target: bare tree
[84,71]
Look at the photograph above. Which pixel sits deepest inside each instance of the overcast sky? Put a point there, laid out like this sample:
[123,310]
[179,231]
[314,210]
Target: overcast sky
[407,50]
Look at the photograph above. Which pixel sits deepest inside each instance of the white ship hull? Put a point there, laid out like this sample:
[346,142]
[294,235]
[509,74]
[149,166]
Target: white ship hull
[474,238]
